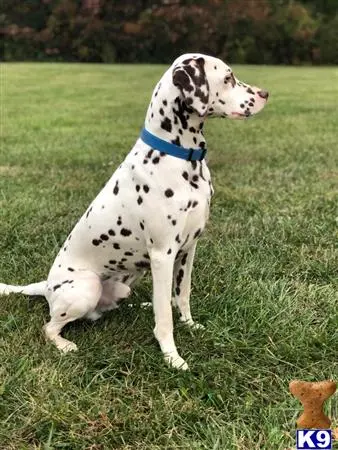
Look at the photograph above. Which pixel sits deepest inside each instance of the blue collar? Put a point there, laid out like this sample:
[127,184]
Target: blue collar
[189,154]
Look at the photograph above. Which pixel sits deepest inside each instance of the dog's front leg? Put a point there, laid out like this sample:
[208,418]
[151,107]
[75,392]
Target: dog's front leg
[182,286]
[162,272]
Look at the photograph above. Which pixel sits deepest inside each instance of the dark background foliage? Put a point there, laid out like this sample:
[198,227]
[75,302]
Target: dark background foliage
[242,31]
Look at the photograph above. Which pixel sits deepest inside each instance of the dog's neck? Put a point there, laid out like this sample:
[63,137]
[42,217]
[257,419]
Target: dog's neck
[169,118]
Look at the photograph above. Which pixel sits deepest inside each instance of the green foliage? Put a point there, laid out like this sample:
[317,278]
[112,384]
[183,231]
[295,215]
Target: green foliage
[328,41]
[259,31]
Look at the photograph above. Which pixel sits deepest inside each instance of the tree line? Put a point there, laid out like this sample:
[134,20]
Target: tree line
[143,31]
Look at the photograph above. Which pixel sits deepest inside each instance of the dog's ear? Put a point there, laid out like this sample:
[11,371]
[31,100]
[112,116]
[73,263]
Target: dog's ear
[189,76]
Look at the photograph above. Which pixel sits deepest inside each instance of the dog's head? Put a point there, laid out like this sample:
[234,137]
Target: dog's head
[209,87]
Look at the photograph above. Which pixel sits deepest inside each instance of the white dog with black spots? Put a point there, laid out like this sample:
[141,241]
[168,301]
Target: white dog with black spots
[151,212]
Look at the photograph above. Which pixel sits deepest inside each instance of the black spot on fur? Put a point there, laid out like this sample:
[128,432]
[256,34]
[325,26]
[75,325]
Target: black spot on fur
[169,251]
[96,242]
[128,253]
[111,232]
[139,200]
[161,112]
[184,259]
[125,232]
[169,193]
[179,112]
[142,226]
[104,237]
[173,222]
[250,91]
[143,264]
[146,188]
[116,188]
[70,269]
[185,175]
[151,151]
[179,277]
[165,102]
[57,286]
[156,160]
[166,124]
[116,246]
[182,80]
[112,261]
[89,211]
[176,141]
[119,220]
[63,315]
[198,232]
[137,187]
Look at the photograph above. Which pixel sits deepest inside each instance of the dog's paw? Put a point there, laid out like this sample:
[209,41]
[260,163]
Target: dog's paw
[93,315]
[193,325]
[4,289]
[67,346]
[174,360]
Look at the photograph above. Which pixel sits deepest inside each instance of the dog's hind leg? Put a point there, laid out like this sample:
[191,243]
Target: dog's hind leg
[112,293]
[29,289]
[71,300]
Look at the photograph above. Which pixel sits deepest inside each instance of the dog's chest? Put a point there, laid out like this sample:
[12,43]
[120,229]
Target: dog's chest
[151,200]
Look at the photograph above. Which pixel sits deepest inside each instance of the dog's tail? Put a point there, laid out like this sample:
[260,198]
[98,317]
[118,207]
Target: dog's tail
[30,289]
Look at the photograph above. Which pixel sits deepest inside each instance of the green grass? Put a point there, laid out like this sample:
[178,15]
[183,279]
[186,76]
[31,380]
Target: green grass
[265,276]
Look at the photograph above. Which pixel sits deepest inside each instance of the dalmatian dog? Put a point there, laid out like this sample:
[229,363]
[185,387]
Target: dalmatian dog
[151,212]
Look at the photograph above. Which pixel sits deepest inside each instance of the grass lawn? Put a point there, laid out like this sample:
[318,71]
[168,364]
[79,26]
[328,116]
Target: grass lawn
[265,276]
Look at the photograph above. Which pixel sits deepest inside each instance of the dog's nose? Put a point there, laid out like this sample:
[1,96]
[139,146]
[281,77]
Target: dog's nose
[263,94]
